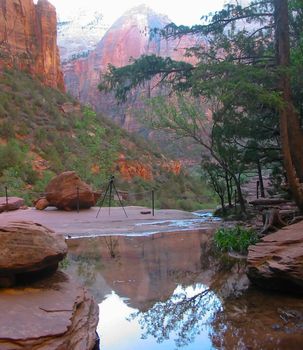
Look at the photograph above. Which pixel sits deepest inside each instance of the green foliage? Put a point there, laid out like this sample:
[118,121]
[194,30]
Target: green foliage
[7,129]
[123,80]
[64,264]
[236,239]
[39,131]
[10,155]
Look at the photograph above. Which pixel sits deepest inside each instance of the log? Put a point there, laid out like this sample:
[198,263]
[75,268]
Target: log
[268,201]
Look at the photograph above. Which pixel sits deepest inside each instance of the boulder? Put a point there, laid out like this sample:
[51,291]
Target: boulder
[13,203]
[277,261]
[68,108]
[53,314]
[28,250]
[66,189]
[41,203]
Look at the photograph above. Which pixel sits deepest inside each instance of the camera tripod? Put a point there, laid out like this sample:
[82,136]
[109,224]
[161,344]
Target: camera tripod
[110,187]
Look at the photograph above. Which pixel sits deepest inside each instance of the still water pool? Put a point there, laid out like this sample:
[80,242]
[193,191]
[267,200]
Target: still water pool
[171,291]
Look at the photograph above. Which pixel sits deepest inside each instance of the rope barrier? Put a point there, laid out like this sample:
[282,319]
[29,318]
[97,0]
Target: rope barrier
[125,195]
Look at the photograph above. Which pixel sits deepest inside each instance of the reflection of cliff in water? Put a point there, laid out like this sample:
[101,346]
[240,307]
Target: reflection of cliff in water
[143,269]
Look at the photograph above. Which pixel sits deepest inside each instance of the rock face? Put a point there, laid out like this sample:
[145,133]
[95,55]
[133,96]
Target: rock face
[14,203]
[28,39]
[53,314]
[127,38]
[79,33]
[64,190]
[27,248]
[129,169]
[277,261]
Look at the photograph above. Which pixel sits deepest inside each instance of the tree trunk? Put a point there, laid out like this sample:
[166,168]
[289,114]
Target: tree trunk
[228,187]
[222,204]
[240,195]
[289,122]
[272,221]
[262,192]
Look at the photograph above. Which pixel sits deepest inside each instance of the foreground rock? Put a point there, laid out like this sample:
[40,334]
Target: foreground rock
[28,249]
[52,314]
[66,191]
[13,203]
[277,261]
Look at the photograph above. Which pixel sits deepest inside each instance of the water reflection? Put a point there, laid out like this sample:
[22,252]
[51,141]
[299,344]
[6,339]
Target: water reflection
[170,291]
[182,318]
[181,321]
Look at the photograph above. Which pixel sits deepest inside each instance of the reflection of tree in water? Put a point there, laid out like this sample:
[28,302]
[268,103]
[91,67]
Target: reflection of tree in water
[112,245]
[183,316]
[88,263]
[190,311]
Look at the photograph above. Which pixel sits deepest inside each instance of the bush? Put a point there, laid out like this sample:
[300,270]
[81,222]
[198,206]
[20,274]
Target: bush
[7,129]
[11,155]
[236,239]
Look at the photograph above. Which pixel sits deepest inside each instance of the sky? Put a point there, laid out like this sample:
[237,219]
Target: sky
[186,12]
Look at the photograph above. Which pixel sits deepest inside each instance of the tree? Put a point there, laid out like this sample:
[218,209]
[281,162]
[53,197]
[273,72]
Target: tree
[290,128]
[217,180]
[245,66]
[185,118]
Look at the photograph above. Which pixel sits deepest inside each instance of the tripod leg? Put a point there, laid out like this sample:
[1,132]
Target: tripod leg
[110,196]
[103,200]
[119,200]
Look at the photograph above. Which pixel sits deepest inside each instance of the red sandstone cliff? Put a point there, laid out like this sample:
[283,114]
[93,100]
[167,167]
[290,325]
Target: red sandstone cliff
[127,38]
[28,39]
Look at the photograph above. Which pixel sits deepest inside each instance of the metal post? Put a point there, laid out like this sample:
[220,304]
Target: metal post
[110,195]
[78,200]
[153,202]
[236,201]
[6,199]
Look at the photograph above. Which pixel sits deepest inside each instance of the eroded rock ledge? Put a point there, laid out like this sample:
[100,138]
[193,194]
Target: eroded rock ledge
[277,261]
[51,314]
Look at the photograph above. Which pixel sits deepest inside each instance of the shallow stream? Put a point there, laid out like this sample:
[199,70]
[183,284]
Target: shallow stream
[171,291]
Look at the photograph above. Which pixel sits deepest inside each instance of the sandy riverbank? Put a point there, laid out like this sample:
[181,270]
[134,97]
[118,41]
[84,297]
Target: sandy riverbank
[85,223]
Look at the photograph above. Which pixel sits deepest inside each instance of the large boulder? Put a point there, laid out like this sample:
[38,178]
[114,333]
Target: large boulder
[11,203]
[28,249]
[277,261]
[66,191]
[53,314]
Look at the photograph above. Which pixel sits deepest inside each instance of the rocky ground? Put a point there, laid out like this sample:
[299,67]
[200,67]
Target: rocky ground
[139,220]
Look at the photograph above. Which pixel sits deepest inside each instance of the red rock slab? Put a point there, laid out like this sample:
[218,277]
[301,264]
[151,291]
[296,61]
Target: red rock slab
[277,261]
[26,246]
[13,203]
[52,314]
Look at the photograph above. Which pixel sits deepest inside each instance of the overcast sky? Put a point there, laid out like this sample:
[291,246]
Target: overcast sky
[186,12]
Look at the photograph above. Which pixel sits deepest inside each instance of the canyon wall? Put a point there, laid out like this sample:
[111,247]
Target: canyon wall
[129,37]
[28,40]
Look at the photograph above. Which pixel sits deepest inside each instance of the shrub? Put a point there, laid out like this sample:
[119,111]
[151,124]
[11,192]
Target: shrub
[236,239]
[7,129]
[11,155]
